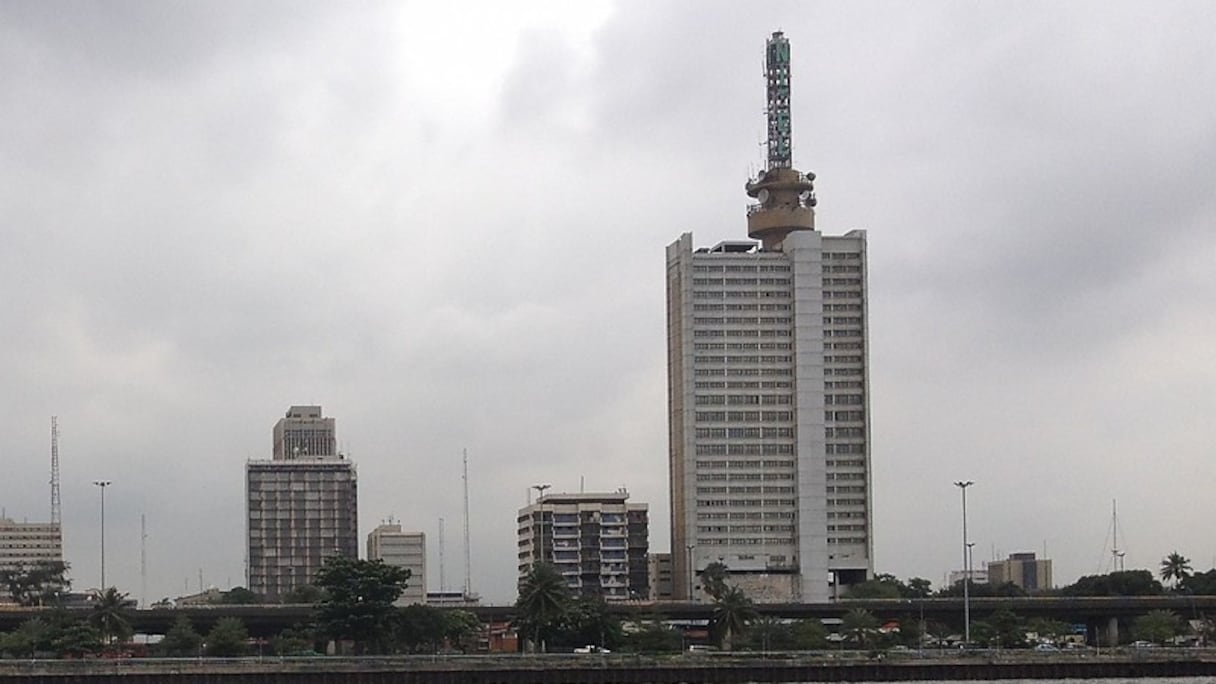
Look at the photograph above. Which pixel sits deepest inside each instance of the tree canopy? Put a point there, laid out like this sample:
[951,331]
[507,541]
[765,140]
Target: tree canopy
[35,584]
[1122,583]
[358,603]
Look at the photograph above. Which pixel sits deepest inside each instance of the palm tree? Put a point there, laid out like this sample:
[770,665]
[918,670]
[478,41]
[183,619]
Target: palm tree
[733,612]
[542,601]
[1175,568]
[109,615]
[859,626]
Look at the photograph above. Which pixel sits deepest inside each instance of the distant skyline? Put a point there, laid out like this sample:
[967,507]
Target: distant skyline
[446,223]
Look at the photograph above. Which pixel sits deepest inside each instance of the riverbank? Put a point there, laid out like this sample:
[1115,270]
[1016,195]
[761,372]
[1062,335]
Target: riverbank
[622,669]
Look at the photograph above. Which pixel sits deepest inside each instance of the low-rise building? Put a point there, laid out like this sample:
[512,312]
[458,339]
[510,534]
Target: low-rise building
[405,550]
[24,544]
[1023,570]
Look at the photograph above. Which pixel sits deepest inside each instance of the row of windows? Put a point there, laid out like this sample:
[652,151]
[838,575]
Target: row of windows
[841,307]
[842,384]
[846,540]
[847,462]
[842,294]
[745,358]
[843,371]
[744,450]
[845,432]
[743,529]
[843,332]
[850,358]
[843,399]
[756,515]
[743,346]
[842,320]
[744,476]
[743,399]
[750,294]
[744,372]
[741,333]
[845,449]
[743,503]
[846,476]
[843,268]
[746,490]
[846,256]
[846,502]
[741,320]
[780,282]
[744,384]
[841,282]
[750,463]
[844,416]
[749,541]
[744,433]
[744,416]
[843,346]
[846,489]
[741,268]
[847,515]
[766,306]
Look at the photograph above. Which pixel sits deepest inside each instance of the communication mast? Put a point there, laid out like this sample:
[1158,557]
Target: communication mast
[56,518]
[442,579]
[468,570]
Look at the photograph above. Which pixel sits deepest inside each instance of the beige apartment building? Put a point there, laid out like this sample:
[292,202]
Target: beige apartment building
[405,550]
[23,544]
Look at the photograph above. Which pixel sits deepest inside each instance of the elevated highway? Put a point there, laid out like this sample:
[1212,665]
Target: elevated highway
[265,620]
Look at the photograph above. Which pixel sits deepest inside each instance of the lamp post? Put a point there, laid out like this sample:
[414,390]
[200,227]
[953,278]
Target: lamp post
[540,494]
[103,484]
[963,485]
[692,572]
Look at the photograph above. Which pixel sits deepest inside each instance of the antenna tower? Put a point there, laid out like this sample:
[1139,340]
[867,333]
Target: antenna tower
[442,579]
[56,512]
[468,565]
[143,561]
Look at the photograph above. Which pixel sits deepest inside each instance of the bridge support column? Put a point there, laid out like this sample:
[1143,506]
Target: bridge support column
[1111,633]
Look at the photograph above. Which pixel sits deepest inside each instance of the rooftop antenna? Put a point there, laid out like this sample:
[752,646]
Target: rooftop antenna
[143,561]
[56,513]
[1115,551]
[468,564]
[442,580]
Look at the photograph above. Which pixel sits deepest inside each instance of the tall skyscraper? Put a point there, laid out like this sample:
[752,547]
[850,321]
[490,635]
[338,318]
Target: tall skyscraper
[302,505]
[768,390]
[598,542]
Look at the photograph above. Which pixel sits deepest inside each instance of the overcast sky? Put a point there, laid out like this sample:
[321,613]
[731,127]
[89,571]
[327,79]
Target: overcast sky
[445,223]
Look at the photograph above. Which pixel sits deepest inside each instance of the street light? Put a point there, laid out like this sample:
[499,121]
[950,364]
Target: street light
[692,572]
[963,485]
[540,494]
[103,484]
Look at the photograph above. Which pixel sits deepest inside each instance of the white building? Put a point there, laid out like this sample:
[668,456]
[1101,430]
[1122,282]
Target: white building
[405,550]
[768,391]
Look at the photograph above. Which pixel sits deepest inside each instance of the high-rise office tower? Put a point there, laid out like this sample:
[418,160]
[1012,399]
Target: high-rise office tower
[302,505]
[768,390]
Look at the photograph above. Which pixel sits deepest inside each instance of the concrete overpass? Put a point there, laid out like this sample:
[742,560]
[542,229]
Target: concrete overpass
[266,620]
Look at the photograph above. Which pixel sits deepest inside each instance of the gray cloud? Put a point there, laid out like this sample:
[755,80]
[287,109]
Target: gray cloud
[212,211]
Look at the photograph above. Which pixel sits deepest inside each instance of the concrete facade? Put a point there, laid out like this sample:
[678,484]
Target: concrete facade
[405,550]
[301,510]
[659,571]
[304,433]
[598,542]
[1023,570]
[23,544]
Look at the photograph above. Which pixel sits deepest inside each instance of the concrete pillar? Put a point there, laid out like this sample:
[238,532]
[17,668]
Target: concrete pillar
[1112,632]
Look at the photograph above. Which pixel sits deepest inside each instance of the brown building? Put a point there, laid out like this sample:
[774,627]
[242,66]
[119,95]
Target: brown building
[1023,570]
